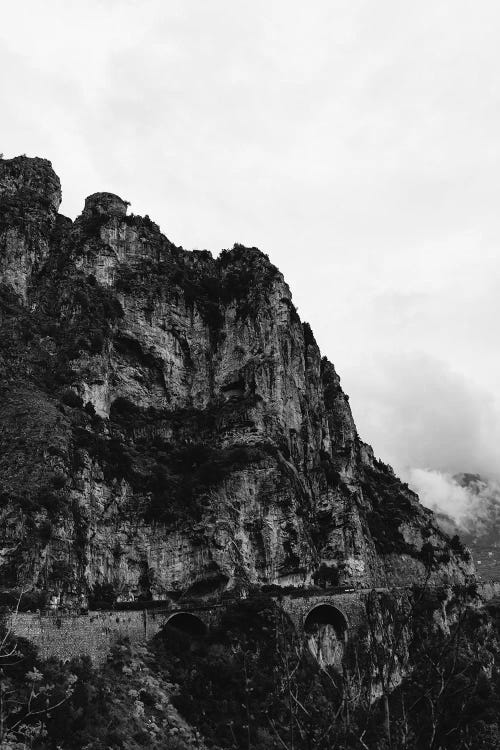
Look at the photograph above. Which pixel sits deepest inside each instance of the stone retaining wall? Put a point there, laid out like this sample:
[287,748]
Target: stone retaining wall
[69,635]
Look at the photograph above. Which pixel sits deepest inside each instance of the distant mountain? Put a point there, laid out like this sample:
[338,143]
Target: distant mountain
[481,528]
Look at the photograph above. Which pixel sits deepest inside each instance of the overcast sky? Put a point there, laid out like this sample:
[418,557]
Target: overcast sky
[357,143]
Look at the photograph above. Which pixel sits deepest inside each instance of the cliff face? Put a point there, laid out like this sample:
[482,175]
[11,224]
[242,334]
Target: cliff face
[168,423]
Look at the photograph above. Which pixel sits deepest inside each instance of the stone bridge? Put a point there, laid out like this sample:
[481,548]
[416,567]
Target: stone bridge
[336,612]
[345,611]
[66,635]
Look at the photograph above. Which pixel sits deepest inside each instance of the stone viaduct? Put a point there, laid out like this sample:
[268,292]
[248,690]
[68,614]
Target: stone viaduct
[68,635]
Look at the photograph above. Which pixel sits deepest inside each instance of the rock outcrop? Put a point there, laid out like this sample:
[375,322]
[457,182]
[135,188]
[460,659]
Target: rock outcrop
[168,422]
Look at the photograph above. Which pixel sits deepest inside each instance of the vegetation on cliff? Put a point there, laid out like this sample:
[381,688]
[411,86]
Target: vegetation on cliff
[169,428]
[147,391]
[251,684]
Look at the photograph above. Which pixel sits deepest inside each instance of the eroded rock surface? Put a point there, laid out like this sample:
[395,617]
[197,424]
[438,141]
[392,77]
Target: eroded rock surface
[169,424]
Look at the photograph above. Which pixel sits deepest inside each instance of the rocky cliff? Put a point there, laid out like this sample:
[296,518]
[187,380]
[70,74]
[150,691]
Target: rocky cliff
[169,424]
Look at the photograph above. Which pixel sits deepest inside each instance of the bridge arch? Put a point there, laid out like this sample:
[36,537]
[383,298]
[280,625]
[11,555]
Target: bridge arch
[325,629]
[326,614]
[187,623]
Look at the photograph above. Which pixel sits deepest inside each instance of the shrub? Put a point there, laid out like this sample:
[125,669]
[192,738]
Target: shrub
[45,531]
[72,399]
[428,554]
[61,571]
[27,601]
[458,548]
[51,500]
[326,575]
[102,596]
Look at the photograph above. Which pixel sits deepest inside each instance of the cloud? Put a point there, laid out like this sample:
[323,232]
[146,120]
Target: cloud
[418,412]
[442,493]
[433,425]
[355,142]
[474,506]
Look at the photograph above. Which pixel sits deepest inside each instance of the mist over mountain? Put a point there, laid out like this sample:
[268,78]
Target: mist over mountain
[436,426]
[468,505]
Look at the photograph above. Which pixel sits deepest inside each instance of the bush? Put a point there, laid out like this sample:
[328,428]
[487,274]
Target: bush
[326,575]
[45,531]
[102,596]
[458,548]
[28,601]
[391,506]
[72,399]
[428,554]
[51,500]
[61,571]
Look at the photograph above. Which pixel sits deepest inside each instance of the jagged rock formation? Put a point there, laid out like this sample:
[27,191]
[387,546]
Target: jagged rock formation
[168,423]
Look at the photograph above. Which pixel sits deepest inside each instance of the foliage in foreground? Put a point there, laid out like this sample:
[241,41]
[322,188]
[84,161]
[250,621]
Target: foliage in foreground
[251,685]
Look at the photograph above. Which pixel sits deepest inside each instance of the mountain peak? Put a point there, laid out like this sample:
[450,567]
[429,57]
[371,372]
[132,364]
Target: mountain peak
[107,204]
[30,183]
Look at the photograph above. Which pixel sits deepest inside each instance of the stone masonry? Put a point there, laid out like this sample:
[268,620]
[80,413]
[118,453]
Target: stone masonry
[70,635]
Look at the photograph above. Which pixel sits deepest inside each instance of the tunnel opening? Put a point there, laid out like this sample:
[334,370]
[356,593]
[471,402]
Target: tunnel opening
[188,624]
[325,628]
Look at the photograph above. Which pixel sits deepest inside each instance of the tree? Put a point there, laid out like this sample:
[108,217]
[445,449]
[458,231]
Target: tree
[27,697]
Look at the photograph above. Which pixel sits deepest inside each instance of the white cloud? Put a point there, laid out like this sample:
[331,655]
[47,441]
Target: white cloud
[475,508]
[417,412]
[441,492]
[355,142]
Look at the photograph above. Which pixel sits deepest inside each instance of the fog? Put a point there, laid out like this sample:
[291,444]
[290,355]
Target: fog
[430,423]
[425,415]
[475,509]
